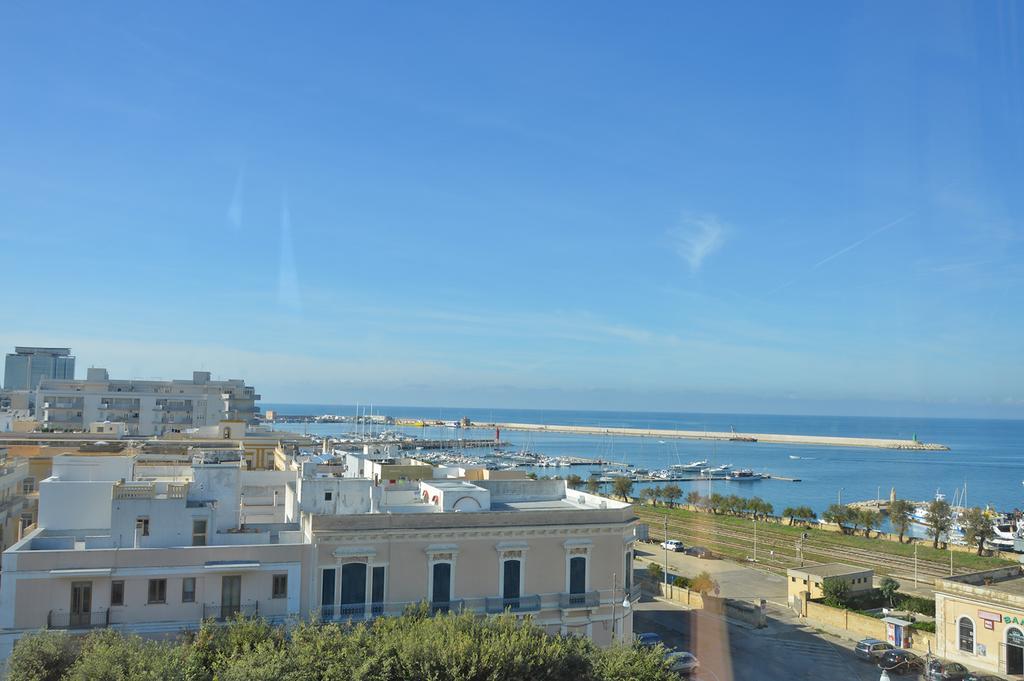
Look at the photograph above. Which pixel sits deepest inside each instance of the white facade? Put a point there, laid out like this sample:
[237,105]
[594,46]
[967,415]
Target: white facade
[145,407]
[158,549]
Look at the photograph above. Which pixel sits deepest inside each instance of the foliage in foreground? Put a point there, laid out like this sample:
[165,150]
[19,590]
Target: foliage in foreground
[415,646]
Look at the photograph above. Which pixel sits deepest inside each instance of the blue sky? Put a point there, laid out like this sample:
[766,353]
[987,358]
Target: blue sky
[810,208]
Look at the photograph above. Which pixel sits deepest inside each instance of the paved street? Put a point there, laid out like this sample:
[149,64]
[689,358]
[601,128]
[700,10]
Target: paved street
[784,651]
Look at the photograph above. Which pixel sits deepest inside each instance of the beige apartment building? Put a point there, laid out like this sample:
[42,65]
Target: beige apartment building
[811,579]
[154,549]
[979,620]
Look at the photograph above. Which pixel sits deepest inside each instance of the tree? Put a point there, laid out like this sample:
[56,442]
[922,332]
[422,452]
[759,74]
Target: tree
[445,647]
[658,493]
[938,520]
[655,576]
[716,502]
[647,494]
[574,481]
[672,494]
[977,528]
[593,484]
[889,587]
[838,514]
[899,516]
[703,583]
[870,519]
[806,513]
[694,498]
[789,512]
[835,592]
[622,487]
[531,475]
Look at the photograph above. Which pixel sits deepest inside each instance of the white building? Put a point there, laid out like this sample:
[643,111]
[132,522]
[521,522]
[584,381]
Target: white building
[145,407]
[157,549]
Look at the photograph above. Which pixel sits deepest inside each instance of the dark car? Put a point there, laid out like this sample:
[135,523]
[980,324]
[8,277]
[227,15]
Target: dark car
[872,650]
[983,677]
[698,551]
[899,661]
[648,639]
[946,671]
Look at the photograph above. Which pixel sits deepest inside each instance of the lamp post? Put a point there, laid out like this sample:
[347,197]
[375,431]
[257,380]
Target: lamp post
[665,546]
[754,520]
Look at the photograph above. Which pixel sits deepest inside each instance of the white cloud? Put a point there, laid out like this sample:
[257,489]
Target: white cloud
[696,238]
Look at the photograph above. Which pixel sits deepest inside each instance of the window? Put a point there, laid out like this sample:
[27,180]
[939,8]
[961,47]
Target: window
[280,589]
[188,590]
[966,635]
[117,592]
[377,589]
[199,532]
[28,485]
[577,575]
[441,592]
[511,578]
[328,496]
[327,593]
[158,591]
[142,525]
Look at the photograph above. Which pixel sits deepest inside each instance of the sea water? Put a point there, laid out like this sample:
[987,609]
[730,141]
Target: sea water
[985,456]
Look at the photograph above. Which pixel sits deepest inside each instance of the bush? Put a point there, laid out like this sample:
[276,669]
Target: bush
[681,582]
[446,647]
[42,657]
[925,626]
[925,606]
[836,592]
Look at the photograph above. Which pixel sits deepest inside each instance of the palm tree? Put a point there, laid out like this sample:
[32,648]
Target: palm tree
[672,494]
[899,516]
[938,519]
[622,487]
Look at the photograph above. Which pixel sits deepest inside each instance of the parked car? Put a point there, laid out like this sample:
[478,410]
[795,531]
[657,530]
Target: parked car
[699,552]
[673,545]
[946,671]
[983,677]
[648,639]
[899,661]
[682,662]
[872,650]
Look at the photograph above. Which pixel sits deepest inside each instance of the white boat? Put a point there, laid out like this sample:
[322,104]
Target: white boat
[793,456]
[693,466]
[744,475]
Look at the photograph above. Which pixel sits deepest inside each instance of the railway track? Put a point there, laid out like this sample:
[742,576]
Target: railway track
[778,551]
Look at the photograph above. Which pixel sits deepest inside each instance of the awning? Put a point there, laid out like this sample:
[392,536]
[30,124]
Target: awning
[81,572]
[897,620]
[231,565]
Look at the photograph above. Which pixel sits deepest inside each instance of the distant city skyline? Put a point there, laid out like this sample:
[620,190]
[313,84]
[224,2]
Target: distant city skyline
[814,210]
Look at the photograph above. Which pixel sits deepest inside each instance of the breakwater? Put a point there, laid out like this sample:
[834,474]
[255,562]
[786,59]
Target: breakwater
[666,433]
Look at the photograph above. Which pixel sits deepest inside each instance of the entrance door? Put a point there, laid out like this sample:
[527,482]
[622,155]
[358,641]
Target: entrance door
[230,595]
[81,604]
[1014,651]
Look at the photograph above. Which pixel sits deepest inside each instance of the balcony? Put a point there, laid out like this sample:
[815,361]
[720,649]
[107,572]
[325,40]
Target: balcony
[586,599]
[226,612]
[520,604]
[63,619]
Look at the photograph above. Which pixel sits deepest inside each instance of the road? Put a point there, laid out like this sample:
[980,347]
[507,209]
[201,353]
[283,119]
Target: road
[785,650]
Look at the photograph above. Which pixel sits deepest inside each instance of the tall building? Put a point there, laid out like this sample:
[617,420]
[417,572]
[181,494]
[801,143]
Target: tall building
[145,407]
[27,366]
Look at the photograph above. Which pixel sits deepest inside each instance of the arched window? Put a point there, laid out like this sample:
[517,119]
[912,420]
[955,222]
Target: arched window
[965,629]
